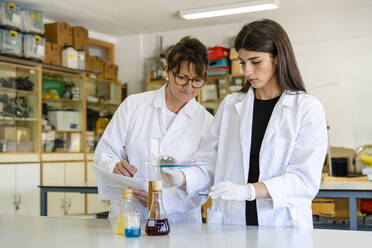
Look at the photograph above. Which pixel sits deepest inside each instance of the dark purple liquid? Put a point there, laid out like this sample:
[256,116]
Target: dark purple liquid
[156,227]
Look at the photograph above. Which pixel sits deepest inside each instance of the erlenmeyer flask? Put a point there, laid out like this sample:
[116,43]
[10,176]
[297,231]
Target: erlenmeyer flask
[157,221]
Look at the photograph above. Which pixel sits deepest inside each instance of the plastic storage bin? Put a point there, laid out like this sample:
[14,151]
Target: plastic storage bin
[219,67]
[11,42]
[10,15]
[217,52]
[64,120]
[53,84]
[219,64]
[33,46]
[33,21]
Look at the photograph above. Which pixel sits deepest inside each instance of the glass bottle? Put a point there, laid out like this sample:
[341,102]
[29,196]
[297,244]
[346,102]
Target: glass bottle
[128,222]
[157,221]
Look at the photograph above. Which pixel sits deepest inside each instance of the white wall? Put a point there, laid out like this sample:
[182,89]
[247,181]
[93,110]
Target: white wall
[333,50]
[129,58]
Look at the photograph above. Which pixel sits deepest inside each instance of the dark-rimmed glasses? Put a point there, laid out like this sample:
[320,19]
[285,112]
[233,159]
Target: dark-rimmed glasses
[182,79]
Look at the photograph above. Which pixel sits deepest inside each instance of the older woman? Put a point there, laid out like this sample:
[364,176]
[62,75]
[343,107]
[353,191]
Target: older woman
[171,114]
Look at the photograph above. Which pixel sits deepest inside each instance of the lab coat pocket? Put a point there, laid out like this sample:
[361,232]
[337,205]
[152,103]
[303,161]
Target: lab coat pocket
[283,150]
[214,217]
[300,218]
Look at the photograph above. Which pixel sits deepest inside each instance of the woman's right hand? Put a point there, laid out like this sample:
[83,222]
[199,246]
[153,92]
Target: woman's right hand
[125,169]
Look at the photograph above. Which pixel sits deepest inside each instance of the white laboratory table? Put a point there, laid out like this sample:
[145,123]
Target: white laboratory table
[350,190]
[36,231]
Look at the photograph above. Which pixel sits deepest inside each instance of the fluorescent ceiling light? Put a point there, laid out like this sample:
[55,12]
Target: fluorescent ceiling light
[229,9]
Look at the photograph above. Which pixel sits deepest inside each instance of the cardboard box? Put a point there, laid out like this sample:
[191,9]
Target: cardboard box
[111,72]
[53,54]
[233,54]
[80,39]
[236,68]
[59,33]
[96,64]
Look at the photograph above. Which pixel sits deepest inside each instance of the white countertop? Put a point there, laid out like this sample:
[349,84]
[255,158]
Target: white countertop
[28,231]
[362,185]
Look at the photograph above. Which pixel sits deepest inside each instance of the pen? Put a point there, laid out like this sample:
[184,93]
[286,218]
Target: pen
[125,154]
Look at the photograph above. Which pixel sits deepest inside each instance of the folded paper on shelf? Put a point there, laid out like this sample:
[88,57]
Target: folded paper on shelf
[110,184]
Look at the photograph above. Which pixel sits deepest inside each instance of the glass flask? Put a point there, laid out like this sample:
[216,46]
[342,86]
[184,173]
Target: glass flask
[127,222]
[157,221]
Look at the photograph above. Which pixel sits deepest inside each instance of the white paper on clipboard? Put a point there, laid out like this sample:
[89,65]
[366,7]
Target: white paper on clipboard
[110,184]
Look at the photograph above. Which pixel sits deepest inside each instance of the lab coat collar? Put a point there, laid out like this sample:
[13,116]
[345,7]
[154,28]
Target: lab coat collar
[287,99]
[244,107]
[159,102]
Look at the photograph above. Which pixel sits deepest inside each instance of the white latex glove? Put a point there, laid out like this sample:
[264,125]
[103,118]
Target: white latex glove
[172,176]
[233,192]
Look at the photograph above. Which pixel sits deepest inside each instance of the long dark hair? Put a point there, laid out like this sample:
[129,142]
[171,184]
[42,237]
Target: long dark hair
[268,36]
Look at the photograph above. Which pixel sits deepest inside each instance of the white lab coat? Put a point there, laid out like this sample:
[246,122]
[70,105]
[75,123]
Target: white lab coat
[291,159]
[142,117]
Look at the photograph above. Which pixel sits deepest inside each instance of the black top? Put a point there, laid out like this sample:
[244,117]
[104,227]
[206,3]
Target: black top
[262,110]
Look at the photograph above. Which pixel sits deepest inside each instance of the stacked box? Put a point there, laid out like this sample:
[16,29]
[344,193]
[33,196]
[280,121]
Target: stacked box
[33,46]
[59,33]
[95,64]
[111,72]
[80,39]
[33,21]
[11,42]
[53,54]
[233,54]
[219,67]
[219,63]
[236,68]
[10,15]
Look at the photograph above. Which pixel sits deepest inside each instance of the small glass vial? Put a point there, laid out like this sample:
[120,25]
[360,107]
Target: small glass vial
[127,214]
[157,222]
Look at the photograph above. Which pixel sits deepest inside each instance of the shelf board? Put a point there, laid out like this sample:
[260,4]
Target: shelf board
[18,61]
[25,62]
[61,100]
[7,118]
[66,69]
[27,92]
[102,104]
[62,131]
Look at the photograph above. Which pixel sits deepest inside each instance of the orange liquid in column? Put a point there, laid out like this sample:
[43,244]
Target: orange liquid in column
[150,196]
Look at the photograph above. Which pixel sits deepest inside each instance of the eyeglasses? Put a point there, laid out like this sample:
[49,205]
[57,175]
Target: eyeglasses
[182,80]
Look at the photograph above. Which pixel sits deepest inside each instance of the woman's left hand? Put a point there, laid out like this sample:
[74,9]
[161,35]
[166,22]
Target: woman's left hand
[142,196]
[234,192]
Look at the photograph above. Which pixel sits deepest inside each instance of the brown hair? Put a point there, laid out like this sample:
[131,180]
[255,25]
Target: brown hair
[268,36]
[190,50]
